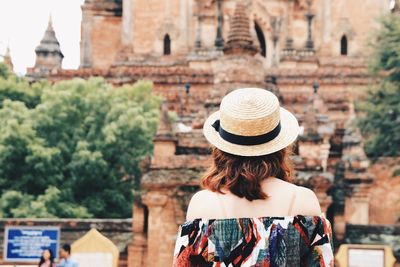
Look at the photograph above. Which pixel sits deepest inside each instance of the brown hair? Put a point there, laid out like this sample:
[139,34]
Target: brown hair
[242,175]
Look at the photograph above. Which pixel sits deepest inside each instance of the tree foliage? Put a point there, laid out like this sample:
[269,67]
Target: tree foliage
[78,143]
[15,88]
[15,204]
[4,71]
[386,49]
[381,121]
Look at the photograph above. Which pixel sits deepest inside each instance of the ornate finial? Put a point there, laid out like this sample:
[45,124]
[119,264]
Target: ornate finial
[7,58]
[239,38]
[50,24]
[219,40]
[315,87]
[314,107]
[198,32]
[164,127]
[309,15]
[276,29]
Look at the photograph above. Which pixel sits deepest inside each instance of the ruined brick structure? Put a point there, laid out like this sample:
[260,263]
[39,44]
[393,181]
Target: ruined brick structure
[312,54]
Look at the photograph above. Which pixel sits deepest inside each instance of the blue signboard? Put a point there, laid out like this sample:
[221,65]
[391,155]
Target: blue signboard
[26,243]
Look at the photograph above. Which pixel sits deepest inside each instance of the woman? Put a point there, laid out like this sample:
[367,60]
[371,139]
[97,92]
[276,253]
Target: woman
[249,214]
[47,259]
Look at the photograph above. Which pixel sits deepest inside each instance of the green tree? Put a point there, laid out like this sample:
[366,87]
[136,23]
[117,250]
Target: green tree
[380,123]
[14,204]
[12,201]
[85,138]
[386,49]
[26,163]
[16,88]
[4,72]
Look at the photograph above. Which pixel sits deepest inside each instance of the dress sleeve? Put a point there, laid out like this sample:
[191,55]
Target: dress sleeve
[321,244]
[181,250]
[191,246]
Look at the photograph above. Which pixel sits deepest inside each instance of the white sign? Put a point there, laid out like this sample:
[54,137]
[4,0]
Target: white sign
[366,257]
[93,259]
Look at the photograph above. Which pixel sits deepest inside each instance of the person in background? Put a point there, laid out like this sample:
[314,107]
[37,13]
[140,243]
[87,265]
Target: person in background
[47,259]
[65,255]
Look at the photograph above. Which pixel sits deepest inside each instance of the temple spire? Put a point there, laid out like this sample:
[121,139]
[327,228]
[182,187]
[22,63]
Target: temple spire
[50,23]
[239,38]
[48,52]
[8,60]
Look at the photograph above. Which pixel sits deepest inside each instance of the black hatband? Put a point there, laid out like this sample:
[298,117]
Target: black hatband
[246,140]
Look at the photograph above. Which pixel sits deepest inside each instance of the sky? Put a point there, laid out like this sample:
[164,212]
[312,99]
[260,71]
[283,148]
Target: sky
[23,23]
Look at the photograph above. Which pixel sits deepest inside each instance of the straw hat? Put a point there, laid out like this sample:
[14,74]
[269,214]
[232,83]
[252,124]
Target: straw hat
[250,122]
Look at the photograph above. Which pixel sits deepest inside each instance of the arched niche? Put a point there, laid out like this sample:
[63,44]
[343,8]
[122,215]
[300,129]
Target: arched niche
[167,45]
[261,39]
[343,45]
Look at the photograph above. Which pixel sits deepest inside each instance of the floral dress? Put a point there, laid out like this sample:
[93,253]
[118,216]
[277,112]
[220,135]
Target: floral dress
[290,241]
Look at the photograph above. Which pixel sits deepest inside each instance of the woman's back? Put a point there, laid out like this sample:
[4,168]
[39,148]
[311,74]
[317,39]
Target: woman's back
[284,199]
[225,230]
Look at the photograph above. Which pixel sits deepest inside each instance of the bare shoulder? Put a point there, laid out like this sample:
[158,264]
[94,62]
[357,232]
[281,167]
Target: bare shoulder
[306,202]
[199,205]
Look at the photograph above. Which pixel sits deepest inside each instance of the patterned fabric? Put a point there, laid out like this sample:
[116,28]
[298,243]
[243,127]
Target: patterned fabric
[259,242]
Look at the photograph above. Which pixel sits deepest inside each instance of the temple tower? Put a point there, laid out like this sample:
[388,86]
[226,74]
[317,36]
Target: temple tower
[7,59]
[48,55]
[241,65]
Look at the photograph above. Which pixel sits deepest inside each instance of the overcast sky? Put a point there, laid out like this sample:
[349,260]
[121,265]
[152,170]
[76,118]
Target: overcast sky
[23,23]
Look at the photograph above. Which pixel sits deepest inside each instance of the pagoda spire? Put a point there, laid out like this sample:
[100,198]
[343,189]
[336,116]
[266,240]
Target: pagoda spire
[239,38]
[8,59]
[48,52]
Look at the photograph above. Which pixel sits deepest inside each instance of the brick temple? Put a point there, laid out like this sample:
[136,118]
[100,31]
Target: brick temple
[312,54]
